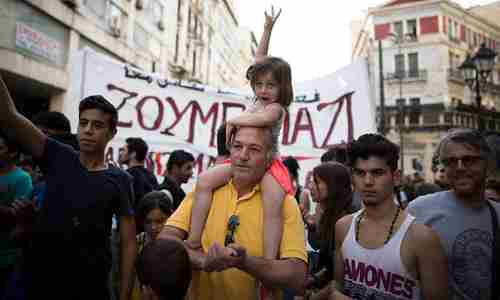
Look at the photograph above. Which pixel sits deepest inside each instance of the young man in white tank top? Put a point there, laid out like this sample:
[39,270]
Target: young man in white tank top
[381,253]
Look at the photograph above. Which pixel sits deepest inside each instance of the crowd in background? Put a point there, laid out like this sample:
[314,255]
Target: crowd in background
[325,197]
[336,194]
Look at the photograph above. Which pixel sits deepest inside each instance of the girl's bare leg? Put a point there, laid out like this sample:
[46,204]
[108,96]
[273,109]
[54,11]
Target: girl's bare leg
[207,183]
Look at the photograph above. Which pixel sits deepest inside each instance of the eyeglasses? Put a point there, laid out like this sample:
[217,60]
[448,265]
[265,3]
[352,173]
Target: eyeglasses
[467,161]
[232,224]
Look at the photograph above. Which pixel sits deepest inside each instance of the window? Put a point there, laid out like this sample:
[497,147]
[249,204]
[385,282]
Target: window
[451,29]
[154,11]
[415,115]
[116,21]
[398,28]
[413,63]
[96,7]
[411,28]
[400,102]
[399,63]
[414,101]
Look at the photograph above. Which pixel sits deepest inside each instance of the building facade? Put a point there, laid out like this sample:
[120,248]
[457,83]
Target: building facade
[421,44]
[187,39]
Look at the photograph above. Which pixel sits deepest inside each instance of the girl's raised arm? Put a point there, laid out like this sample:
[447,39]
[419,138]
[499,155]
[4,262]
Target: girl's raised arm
[270,20]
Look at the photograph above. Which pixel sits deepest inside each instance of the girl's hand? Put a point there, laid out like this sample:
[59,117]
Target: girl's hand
[271,18]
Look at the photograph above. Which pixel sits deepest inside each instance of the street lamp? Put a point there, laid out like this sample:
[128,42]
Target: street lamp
[476,71]
[399,39]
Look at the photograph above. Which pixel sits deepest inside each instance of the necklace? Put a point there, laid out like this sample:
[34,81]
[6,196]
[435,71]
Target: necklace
[358,221]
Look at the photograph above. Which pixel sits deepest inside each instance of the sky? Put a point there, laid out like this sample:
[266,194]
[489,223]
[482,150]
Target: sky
[313,35]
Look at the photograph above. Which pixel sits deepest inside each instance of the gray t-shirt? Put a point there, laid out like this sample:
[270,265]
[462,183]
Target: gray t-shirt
[466,235]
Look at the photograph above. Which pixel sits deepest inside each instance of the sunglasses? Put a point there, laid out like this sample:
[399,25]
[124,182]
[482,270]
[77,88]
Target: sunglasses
[467,161]
[232,224]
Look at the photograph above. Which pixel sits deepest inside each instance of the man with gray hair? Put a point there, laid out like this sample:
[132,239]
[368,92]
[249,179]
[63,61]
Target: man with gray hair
[465,221]
[231,263]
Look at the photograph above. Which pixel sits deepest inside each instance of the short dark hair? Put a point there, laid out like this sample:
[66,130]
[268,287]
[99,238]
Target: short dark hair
[152,200]
[179,158]
[338,154]
[52,120]
[376,145]
[292,165]
[164,266]
[100,103]
[138,146]
[222,149]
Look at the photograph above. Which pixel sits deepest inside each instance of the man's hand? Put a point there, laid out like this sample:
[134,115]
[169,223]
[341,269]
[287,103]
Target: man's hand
[220,258]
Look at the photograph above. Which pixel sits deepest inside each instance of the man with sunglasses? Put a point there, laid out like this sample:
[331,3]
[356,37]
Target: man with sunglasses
[464,219]
[231,261]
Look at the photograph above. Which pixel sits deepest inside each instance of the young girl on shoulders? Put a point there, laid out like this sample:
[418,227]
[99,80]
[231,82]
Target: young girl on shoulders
[271,81]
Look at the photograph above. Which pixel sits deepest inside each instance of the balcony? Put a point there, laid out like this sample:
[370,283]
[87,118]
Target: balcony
[406,76]
[437,117]
[455,75]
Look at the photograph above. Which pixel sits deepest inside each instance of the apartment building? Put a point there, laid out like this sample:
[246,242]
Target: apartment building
[197,40]
[421,43]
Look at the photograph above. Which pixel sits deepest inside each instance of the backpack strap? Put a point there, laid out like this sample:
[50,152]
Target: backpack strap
[495,282]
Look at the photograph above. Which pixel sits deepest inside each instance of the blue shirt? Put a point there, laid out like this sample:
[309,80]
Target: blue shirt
[13,185]
[18,182]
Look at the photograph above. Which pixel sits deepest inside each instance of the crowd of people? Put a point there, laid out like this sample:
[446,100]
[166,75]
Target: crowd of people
[74,226]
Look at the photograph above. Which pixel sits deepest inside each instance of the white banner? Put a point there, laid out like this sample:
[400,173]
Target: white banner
[172,115]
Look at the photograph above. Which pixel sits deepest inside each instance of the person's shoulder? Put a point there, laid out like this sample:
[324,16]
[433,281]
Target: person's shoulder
[53,144]
[134,171]
[21,175]
[275,105]
[344,223]
[495,205]
[167,184]
[118,173]
[422,235]
[430,200]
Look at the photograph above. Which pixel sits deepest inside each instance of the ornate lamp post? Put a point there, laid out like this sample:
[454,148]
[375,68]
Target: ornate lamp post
[476,71]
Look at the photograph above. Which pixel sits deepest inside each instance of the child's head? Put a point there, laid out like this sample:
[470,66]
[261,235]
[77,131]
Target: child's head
[281,73]
[154,209]
[164,269]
